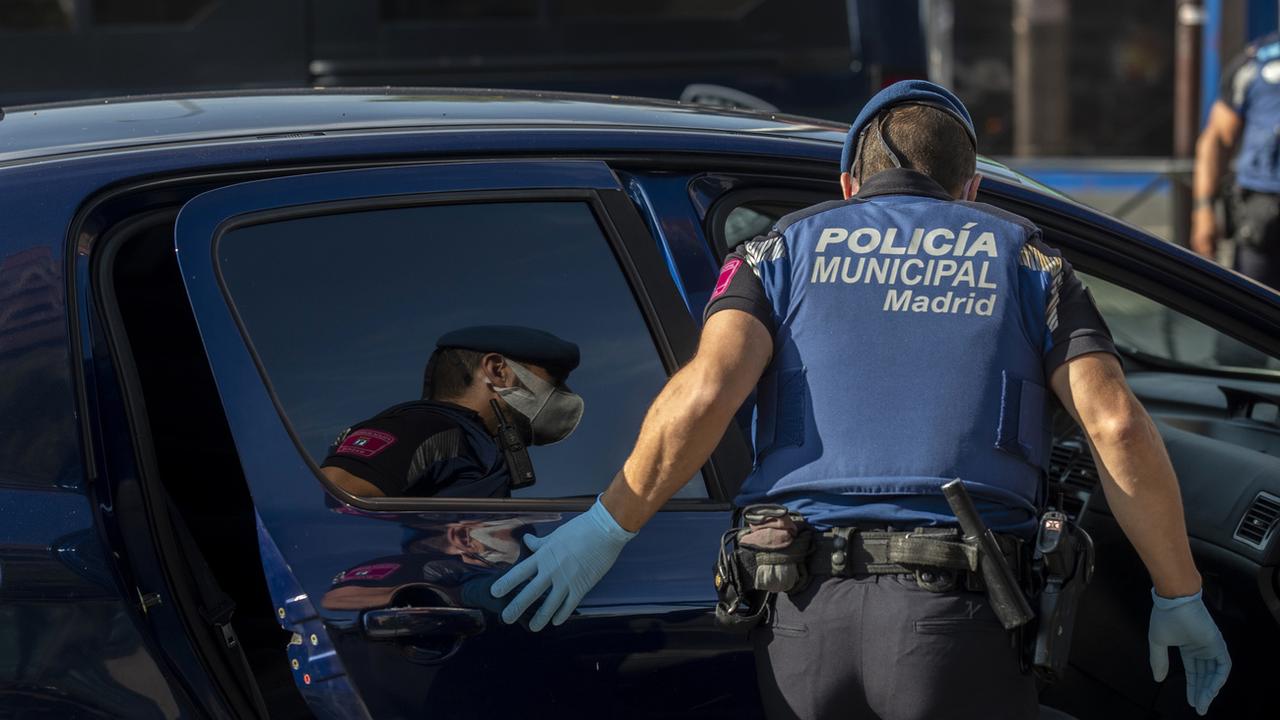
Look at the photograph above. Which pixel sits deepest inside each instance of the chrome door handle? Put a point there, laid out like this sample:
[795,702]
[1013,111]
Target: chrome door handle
[424,622]
[430,635]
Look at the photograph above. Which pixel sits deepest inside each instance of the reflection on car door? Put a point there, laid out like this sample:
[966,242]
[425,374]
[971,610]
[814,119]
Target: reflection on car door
[388,599]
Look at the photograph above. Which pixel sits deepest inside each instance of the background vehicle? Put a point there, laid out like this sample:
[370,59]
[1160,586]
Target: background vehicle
[197,292]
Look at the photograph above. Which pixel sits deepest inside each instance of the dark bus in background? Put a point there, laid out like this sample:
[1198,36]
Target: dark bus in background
[819,58]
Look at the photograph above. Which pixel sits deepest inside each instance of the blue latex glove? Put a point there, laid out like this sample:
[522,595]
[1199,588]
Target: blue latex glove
[1184,622]
[568,562]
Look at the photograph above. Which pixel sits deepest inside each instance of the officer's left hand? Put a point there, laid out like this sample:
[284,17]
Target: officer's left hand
[1184,623]
[568,563]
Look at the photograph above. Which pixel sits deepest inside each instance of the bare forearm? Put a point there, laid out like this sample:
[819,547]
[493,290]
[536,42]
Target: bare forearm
[357,486]
[679,433]
[690,415]
[1142,491]
[1211,160]
[1137,477]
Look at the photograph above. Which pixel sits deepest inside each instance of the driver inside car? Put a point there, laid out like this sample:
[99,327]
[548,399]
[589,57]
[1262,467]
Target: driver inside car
[488,392]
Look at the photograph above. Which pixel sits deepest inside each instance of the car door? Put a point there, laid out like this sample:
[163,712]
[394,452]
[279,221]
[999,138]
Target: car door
[318,298]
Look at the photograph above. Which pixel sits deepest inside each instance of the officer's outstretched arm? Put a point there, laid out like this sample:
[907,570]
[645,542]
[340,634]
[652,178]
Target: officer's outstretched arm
[1142,491]
[690,415]
[679,432]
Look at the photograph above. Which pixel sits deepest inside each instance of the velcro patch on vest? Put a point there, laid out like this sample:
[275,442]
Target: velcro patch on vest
[726,277]
[366,443]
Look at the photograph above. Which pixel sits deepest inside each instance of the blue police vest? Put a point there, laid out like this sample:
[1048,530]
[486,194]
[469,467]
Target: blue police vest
[906,354]
[1255,92]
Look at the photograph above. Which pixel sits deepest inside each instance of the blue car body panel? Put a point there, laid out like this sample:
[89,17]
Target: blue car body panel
[78,637]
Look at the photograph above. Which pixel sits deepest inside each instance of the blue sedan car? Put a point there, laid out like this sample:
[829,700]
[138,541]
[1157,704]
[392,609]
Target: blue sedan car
[198,293]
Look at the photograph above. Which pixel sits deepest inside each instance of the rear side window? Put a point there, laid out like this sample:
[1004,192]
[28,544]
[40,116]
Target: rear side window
[744,214]
[343,311]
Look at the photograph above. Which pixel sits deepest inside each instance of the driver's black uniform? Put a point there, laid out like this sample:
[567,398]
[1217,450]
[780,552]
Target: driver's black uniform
[424,449]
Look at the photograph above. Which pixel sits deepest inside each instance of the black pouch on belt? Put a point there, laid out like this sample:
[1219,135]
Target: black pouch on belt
[738,607]
[767,555]
[774,547]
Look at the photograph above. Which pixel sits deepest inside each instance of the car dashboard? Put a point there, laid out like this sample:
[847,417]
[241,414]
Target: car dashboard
[1223,439]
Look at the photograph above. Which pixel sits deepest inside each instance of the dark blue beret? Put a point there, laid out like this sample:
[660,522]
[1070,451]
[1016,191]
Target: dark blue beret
[523,344]
[905,92]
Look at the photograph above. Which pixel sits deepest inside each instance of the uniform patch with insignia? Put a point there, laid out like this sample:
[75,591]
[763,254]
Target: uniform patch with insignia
[365,443]
[726,276]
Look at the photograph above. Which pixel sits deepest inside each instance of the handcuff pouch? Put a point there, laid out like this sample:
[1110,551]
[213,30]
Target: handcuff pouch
[773,548]
[767,555]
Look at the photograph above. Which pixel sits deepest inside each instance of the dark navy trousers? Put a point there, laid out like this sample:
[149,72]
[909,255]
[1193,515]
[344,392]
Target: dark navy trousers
[882,648]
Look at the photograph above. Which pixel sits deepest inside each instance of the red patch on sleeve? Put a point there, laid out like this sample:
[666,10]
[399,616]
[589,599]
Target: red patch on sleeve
[366,443]
[726,276]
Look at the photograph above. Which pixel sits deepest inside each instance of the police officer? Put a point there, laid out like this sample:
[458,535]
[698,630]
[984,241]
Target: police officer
[897,339]
[448,443]
[1246,115]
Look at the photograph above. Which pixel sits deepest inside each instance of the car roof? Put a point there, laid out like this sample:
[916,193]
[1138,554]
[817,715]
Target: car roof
[61,128]
[36,131]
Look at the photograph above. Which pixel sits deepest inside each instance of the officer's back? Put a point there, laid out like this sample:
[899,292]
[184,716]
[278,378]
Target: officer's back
[912,335]
[906,300]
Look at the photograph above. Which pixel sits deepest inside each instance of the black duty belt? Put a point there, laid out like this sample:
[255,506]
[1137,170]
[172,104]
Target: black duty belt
[849,551]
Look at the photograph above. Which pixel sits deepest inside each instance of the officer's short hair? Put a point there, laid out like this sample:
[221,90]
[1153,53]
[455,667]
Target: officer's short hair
[925,139]
[449,373]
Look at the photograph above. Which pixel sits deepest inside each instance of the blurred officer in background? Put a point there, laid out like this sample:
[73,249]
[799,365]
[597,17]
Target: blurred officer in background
[896,340]
[1245,117]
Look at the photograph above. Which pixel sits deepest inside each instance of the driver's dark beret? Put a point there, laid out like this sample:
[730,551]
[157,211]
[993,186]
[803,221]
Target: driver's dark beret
[522,344]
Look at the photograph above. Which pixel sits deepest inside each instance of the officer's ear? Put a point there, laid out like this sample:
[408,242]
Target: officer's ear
[970,191]
[494,369]
[849,184]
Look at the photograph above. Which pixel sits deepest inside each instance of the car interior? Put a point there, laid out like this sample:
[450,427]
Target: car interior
[1219,421]
[198,469]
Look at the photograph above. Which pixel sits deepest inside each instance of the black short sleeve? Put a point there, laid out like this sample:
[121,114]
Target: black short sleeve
[1057,308]
[1236,79]
[407,453]
[1075,326]
[738,288]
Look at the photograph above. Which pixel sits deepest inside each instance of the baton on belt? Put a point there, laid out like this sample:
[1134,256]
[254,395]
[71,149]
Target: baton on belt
[1007,600]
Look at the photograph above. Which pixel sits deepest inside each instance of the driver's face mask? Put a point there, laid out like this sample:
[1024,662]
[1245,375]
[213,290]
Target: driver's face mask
[551,411]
